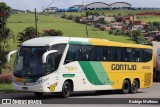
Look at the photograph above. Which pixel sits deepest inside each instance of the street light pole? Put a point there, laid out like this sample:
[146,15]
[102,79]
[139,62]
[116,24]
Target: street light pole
[36,24]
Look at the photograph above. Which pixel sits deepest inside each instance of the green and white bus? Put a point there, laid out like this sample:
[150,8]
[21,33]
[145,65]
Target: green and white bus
[68,64]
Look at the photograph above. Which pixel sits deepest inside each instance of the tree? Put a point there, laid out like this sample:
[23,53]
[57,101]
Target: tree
[89,13]
[26,34]
[4,14]
[119,19]
[4,33]
[138,37]
[141,40]
[96,14]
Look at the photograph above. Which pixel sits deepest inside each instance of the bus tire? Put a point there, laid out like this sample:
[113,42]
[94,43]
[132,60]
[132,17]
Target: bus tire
[38,94]
[125,87]
[134,87]
[66,90]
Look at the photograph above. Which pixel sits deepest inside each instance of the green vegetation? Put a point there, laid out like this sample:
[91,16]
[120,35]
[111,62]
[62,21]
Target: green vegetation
[149,18]
[18,22]
[6,87]
[5,33]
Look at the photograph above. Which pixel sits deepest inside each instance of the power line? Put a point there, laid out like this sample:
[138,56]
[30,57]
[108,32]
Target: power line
[36,17]
[51,3]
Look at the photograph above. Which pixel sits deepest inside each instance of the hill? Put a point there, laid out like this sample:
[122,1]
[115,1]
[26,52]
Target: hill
[18,22]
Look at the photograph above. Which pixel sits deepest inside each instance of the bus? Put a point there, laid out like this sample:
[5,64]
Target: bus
[69,64]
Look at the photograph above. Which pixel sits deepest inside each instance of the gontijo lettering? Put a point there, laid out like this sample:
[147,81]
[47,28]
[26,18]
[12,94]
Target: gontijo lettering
[123,67]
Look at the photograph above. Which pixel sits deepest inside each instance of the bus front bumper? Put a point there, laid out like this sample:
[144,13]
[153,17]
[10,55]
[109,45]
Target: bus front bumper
[34,87]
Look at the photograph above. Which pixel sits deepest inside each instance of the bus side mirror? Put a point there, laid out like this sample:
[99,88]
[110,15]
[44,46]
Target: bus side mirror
[44,57]
[9,55]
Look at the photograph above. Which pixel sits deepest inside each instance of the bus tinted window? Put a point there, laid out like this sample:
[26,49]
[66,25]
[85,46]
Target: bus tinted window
[107,53]
[74,53]
[86,53]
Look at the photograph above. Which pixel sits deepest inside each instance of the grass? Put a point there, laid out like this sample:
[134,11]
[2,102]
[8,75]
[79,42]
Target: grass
[150,18]
[6,87]
[18,22]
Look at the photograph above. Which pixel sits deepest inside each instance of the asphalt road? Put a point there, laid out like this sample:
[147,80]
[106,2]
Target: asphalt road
[112,96]
[153,92]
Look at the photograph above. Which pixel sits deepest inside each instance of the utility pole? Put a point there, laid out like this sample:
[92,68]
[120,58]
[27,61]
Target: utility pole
[36,18]
[87,31]
[36,23]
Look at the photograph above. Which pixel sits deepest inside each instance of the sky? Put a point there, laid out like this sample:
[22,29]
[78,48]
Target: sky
[40,4]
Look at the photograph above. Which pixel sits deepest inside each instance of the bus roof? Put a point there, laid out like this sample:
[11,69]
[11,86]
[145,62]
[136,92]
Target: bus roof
[51,40]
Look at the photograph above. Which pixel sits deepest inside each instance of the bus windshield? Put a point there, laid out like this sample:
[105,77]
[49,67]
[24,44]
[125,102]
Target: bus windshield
[28,62]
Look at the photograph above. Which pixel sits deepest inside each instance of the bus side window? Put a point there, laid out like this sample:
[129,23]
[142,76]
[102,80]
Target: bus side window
[137,55]
[147,55]
[124,54]
[105,53]
[77,53]
[118,54]
[93,56]
[99,53]
[130,55]
[86,53]
[73,54]
[109,54]
[69,56]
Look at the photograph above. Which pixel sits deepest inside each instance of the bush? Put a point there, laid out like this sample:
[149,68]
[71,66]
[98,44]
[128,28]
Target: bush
[96,14]
[6,77]
[103,14]
[114,15]
[118,32]
[119,14]
[141,40]
[52,32]
[70,17]
[111,32]
[64,16]
[3,60]
[89,13]
[58,32]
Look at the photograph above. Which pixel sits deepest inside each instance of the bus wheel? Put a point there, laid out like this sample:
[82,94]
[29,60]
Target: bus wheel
[125,87]
[38,94]
[134,87]
[66,90]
